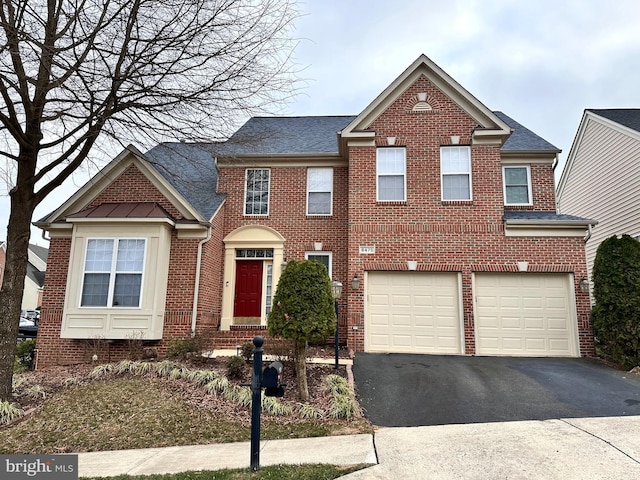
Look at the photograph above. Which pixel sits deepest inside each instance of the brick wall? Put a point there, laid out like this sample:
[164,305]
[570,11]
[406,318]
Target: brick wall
[133,186]
[446,236]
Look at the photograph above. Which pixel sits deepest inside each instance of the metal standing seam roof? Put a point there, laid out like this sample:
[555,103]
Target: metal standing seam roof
[629,117]
[123,210]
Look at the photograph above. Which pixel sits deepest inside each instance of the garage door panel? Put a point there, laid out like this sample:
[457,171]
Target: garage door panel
[532,315]
[413,312]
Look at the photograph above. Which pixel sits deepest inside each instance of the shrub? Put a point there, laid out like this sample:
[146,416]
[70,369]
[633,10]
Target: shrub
[235,367]
[246,350]
[9,412]
[616,314]
[180,347]
[25,352]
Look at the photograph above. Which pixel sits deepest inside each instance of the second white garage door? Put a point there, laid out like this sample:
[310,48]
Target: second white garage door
[524,314]
[413,312]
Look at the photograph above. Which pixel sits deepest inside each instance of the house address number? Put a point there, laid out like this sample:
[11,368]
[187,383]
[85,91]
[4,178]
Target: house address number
[367,250]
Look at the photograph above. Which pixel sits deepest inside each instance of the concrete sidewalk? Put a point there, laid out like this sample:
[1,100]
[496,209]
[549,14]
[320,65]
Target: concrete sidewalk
[562,449]
[342,450]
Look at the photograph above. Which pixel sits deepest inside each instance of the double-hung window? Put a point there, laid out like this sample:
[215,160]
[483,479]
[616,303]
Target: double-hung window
[455,169]
[517,185]
[256,198]
[112,275]
[319,191]
[322,257]
[391,170]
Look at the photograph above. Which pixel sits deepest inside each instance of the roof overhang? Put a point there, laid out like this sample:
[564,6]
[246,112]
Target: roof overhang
[491,129]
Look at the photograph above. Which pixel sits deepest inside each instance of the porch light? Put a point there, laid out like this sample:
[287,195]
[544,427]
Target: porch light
[355,282]
[336,289]
[584,285]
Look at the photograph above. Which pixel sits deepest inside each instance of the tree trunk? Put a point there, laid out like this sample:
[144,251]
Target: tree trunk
[18,233]
[301,371]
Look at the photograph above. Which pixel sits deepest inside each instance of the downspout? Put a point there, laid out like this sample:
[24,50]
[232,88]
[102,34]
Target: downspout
[194,311]
[588,235]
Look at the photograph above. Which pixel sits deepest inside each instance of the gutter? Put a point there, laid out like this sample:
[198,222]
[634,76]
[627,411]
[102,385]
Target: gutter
[196,292]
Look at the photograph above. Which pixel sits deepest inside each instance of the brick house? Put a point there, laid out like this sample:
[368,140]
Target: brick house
[437,214]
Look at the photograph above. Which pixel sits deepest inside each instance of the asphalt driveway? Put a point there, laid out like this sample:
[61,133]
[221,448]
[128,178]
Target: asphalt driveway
[400,390]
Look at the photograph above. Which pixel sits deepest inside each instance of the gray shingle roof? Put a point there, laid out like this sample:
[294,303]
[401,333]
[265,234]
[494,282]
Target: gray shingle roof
[535,216]
[41,252]
[190,169]
[629,117]
[285,136]
[523,139]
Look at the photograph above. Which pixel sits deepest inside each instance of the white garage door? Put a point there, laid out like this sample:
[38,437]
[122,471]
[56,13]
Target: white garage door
[524,314]
[413,312]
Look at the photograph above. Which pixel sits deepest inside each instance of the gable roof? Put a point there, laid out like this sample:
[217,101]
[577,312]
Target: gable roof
[489,125]
[271,136]
[41,252]
[190,169]
[623,120]
[629,117]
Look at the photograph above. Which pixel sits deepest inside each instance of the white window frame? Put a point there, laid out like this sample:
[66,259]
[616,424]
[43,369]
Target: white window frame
[244,203]
[461,172]
[504,184]
[322,254]
[310,191]
[112,273]
[392,174]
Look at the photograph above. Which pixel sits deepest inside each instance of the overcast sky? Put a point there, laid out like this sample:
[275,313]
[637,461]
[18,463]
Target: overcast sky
[541,62]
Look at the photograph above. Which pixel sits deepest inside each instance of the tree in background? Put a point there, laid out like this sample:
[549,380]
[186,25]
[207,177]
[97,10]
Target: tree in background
[76,75]
[616,314]
[303,311]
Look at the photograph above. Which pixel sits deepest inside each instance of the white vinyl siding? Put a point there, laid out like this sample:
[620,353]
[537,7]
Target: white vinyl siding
[602,184]
[319,191]
[516,181]
[257,187]
[455,169]
[391,171]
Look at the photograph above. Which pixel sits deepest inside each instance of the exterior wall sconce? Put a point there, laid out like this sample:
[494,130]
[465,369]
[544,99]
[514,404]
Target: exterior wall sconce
[412,264]
[284,262]
[584,285]
[355,283]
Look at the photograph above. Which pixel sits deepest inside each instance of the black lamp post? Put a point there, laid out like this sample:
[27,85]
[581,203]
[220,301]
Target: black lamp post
[336,289]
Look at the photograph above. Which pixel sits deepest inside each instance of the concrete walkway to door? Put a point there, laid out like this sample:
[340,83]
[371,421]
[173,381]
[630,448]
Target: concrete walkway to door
[401,390]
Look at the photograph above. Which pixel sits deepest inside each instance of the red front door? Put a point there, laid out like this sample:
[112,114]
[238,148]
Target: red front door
[248,299]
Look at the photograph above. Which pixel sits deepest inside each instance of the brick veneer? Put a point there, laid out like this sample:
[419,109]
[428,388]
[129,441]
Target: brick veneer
[465,237]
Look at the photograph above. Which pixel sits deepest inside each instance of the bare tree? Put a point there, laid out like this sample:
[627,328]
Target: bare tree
[74,73]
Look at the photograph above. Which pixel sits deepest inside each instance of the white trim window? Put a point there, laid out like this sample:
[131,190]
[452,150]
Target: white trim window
[319,191]
[516,181]
[112,275]
[325,258]
[391,172]
[455,169]
[256,193]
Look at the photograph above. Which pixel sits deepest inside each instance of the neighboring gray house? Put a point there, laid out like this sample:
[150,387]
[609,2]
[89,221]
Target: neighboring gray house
[34,281]
[601,179]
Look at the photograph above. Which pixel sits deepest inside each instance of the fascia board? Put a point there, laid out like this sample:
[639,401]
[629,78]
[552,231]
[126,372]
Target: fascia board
[424,66]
